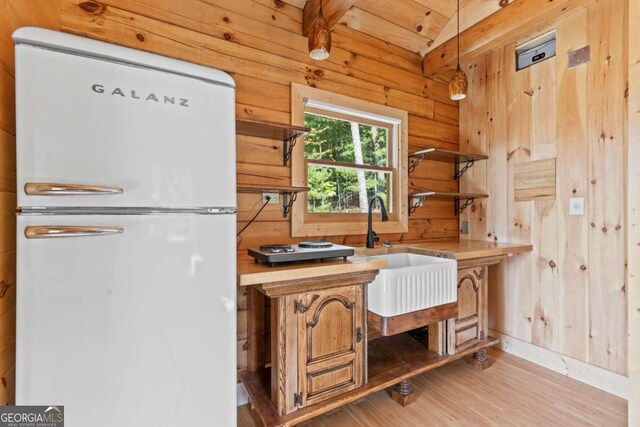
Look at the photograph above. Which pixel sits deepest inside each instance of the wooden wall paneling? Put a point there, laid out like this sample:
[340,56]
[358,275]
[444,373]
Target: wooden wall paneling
[297,3]
[569,294]
[497,146]
[473,139]
[572,149]
[7,161]
[358,44]
[294,12]
[546,322]
[496,166]
[515,286]
[606,89]
[417,143]
[249,30]
[409,15]
[443,7]
[7,95]
[446,113]
[124,27]
[253,112]
[535,180]
[363,21]
[471,12]
[633,208]
[508,24]
[333,11]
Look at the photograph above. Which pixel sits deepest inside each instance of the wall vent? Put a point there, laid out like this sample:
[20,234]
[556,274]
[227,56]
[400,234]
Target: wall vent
[536,50]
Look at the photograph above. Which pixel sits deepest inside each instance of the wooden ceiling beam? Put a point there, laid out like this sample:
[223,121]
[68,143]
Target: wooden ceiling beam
[333,10]
[504,26]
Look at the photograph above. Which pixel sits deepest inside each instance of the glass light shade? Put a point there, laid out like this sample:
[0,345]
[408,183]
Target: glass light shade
[320,39]
[458,85]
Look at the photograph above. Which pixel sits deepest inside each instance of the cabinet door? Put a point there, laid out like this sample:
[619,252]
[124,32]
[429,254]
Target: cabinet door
[470,325]
[330,342]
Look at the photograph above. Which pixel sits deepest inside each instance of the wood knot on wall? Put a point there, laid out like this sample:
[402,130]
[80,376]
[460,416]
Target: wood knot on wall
[4,287]
[92,7]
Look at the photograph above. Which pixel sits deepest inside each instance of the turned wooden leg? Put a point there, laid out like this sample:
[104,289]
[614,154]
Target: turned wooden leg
[403,393]
[480,359]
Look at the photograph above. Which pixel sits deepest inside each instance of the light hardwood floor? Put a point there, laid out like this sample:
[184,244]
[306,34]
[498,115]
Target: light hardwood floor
[512,392]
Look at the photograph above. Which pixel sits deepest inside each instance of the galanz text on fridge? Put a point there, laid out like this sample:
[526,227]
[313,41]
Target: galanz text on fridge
[152,97]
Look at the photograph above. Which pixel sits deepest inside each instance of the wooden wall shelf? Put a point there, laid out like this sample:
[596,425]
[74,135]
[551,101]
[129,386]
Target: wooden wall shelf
[390,361]
[446,156]
[439,195]
[289,194]
[288,134]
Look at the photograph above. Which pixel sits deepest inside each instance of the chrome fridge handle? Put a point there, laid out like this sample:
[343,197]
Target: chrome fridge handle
[51,189]
[55,231]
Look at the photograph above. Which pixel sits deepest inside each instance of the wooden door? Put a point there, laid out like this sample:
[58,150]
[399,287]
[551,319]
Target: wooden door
[471,324]
[330,343]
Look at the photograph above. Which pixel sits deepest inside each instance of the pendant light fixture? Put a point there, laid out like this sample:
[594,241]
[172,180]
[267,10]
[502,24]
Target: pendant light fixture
[320,37]
[458,83]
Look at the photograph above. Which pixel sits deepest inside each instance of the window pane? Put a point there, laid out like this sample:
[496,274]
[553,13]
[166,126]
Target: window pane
[339,190]
[333,140]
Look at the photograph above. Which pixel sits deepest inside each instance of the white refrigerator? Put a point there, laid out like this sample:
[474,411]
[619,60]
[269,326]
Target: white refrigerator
[126,295]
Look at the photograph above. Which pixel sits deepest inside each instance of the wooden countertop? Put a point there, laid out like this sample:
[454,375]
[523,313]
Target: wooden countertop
[250,273]
[456,249]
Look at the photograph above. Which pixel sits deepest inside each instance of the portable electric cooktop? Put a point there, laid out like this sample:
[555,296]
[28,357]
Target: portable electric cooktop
[304,251]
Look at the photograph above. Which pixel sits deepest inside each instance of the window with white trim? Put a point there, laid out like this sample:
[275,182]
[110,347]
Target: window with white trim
[355,150]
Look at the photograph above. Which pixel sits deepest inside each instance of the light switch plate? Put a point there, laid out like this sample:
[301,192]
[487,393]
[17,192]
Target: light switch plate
[576,206]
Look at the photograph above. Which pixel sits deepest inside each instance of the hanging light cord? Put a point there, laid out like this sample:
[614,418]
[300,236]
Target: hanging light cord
[458,67]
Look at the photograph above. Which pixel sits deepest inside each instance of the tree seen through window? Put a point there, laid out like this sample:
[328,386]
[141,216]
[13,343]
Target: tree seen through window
[347,163]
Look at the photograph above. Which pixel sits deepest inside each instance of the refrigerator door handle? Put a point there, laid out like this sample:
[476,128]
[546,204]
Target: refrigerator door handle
[51,189]
[55,231]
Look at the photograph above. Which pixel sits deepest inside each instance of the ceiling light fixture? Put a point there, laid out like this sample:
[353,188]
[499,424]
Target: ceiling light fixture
[458,83]
[320,37]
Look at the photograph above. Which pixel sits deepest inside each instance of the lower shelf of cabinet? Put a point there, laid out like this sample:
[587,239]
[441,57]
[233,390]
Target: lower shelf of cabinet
[390,359]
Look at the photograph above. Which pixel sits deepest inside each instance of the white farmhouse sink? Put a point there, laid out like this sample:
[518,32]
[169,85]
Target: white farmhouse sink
[412,282]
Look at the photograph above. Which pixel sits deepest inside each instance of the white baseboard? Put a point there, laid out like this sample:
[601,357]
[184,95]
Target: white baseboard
[241,395]
[603,379]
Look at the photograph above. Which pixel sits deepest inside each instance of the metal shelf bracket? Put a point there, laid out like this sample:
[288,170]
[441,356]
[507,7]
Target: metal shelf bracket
[459,208]
[459,172]
[287,147]
[419,202]
[414,163]
[287,203]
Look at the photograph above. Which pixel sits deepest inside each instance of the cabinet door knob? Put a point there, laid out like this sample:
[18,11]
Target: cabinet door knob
[359,334]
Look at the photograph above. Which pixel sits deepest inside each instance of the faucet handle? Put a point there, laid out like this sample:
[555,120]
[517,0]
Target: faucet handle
[375,236]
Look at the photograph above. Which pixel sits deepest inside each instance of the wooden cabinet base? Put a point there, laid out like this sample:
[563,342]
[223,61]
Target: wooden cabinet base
[391,361]
[480,360]
[403,393]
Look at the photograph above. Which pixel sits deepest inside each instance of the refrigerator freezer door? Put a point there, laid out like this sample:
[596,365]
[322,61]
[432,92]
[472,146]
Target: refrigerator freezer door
[131,328]
[151,138]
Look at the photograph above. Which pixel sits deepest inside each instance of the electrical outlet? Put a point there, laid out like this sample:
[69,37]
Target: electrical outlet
[576,206]
[275,197]
[464,227]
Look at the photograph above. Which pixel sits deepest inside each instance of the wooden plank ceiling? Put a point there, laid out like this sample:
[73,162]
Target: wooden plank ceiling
[415,25]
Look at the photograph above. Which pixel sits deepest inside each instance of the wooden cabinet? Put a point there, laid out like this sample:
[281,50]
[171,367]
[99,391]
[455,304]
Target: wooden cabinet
[470,326]
[318,346]
[330,343]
